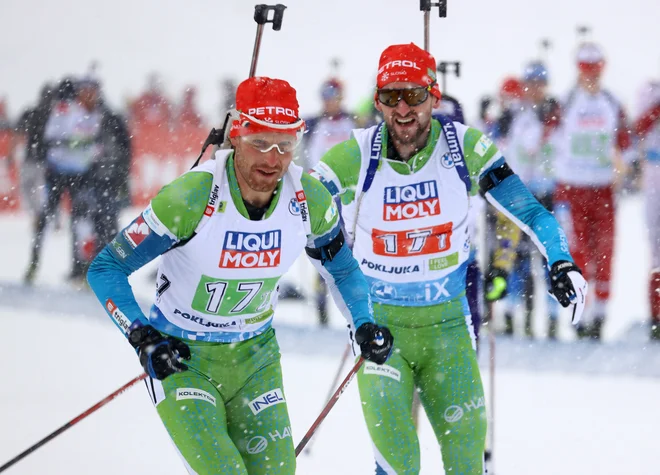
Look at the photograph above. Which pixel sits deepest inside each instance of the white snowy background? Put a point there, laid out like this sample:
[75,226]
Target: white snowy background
[200,41]
[565,408]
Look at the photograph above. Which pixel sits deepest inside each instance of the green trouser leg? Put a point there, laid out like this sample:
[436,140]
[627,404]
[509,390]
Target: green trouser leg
[453,397]
[386,393]
[440,361]
[227,414]
[198,427]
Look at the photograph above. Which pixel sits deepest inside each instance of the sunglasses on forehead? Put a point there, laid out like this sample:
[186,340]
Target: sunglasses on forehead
[413,96]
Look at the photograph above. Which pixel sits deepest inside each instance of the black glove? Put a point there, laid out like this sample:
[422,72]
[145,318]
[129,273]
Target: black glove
[561,285]
[159,355]
[549,111]
[495,284]
[569,287]
[375,342]
[484,104]
[504,122]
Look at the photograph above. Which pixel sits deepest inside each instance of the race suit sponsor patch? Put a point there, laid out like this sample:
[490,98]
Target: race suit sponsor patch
[192,393]
[389,269]
[137,232]
[418,200]
[382,370]
[251,250]
[266,400]
[117,315]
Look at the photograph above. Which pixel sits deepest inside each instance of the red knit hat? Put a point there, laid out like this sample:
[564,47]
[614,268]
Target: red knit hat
[266,105]
[511,88]
[407,63]
[590,58]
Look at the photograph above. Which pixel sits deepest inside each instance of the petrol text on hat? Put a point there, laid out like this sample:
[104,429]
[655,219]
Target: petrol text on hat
[401,63]
[272,109]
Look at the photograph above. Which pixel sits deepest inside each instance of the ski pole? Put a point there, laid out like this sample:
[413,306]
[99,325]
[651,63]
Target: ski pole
[443,69]
[489,454]
[427,18]
[335,380]
[72,422]
[329,405]
[425,6]
[261,17]
[583,32]
[544,45]
[217,137]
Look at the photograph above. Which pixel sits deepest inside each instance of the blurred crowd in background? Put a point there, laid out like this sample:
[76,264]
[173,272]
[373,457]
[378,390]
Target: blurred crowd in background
[71,154]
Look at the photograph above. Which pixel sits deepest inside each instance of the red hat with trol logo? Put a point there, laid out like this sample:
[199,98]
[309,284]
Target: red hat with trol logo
[590,58]
[407,63]
[266,105]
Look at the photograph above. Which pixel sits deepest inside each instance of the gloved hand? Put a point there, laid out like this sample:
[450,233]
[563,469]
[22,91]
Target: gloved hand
[548,113]
[159,355]
[375,342]
[484,105]
[495,284]
[569,287]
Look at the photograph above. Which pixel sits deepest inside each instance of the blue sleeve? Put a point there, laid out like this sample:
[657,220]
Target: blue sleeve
[108,273]
[514,200]
[352,291]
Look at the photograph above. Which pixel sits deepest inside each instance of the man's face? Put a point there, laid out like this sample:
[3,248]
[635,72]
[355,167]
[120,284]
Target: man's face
[406,123]
[535,90]
[591,73]
[332,97]
[260,169]
[332,106]
[88,96]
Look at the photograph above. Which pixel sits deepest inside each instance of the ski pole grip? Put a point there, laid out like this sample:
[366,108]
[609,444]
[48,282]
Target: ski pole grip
[442,8]
[426,5]
[444,67]
[277,16]
[261,12]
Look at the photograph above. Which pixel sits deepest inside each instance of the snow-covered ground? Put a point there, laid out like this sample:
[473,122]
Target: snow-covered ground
[546,423]
[567,408]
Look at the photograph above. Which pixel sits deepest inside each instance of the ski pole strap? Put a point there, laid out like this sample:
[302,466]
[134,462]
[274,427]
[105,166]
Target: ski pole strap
[215,137]
[374,157]
[455,150]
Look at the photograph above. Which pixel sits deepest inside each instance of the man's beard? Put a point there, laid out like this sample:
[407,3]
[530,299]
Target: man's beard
[407,138]
[258,182]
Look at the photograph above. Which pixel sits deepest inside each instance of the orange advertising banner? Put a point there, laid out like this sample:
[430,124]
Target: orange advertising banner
[160,155]
[10,191]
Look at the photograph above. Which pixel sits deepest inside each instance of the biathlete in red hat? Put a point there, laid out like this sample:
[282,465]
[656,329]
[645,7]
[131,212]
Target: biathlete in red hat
[405,186]
[227,231]
[595,135]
